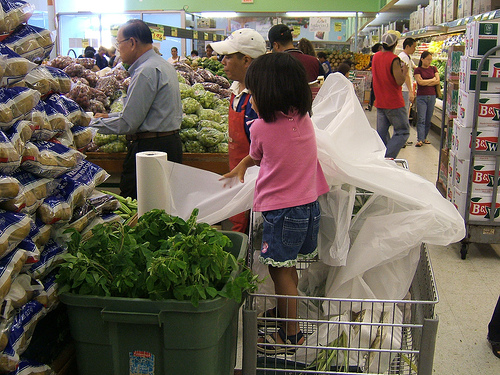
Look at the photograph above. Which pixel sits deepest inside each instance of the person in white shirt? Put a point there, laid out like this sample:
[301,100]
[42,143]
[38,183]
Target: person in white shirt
[175,57]
[409,46]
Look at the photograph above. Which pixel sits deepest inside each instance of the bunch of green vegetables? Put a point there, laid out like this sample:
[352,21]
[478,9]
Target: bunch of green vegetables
[162,257]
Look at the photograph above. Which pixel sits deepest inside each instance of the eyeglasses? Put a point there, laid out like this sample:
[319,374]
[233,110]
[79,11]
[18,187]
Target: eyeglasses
[117,43]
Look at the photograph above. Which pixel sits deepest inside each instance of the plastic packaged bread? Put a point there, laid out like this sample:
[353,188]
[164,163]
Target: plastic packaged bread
[41,126]
[48,159]
[82,136]
[76,115]
[16,67]
[20,133]
[30,42]
[9,157]
[15,103]
[9,187]
[51,256]
[14,227]
[14,13]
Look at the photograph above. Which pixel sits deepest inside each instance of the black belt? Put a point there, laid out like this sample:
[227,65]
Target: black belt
[145,135]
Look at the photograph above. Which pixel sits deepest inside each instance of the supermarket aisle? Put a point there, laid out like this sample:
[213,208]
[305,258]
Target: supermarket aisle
[468,289]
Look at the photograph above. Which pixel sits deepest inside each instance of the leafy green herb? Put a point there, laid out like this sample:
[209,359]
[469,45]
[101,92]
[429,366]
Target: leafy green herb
[162,257]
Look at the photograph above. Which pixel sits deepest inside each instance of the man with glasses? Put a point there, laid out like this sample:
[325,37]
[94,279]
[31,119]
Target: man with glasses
[152,112]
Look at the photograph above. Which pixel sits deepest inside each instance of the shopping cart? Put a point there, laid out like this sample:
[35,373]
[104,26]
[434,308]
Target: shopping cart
[347,336]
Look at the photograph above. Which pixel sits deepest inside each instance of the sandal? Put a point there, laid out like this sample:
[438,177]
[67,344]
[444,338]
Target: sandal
[427,142]
[495,347]
[419,144]
[270,313]
[279,348]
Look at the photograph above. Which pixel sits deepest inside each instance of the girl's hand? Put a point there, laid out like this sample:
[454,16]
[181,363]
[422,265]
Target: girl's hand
[240,170]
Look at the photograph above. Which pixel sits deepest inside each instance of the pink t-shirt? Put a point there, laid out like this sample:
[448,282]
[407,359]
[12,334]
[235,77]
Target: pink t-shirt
[290,174]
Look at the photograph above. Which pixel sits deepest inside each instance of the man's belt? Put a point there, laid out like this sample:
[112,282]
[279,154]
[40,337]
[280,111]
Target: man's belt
[145,135]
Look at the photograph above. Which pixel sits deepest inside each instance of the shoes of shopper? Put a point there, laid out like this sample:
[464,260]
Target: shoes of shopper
[419,144]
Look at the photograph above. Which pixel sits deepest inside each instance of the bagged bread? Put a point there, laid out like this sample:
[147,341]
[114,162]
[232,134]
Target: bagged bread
[82,136]
[43,235]
[105,218]
[20,133]
[48,159]
[41,80]
[41,126]
[9,187]
[14,13]
[16,102]
[9,158]
[14,227]
[63,80]
[33,191]
[30,42]
[10,266]
[50,257]
[23,289]
[16,67]
[29,367]
[76,115]
[20,334]
[58,120]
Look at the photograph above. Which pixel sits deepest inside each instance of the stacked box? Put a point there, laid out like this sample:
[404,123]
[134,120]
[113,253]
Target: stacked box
[429,14]
[450,186]
[420,17]
[452,90]
[450,10]
[486,139]
[453,62]
[483,6]
[438,12]
[443,167]
[483,174]
[480,37]
[488,113]
[468,74]
[479,208]
[464,8]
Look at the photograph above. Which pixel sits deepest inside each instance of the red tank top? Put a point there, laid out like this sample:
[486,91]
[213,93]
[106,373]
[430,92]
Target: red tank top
[388,94]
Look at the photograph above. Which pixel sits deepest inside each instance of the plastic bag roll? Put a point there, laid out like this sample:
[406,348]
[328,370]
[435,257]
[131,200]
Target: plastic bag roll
[153,188]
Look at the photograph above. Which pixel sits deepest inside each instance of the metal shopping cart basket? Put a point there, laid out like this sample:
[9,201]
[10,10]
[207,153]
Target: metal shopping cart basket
[348,336]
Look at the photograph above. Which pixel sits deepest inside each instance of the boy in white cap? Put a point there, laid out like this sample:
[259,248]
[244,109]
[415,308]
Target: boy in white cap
[388,77]
[239,49]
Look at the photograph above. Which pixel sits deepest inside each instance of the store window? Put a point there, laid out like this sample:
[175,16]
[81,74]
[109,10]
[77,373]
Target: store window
[168,19]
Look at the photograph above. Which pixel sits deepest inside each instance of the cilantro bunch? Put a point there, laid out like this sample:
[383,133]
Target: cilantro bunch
[162,257]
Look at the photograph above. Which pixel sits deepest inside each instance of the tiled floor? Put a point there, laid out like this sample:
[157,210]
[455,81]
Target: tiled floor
[468,289]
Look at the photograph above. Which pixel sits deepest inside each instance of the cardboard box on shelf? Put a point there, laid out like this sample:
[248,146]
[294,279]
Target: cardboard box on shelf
[480,37]
[483,174]
[453,62]
[450,10]
[468,74]
[438,12]
[486,139]
[452,90]
[479,207]
[464,8]
[429,14]
[443,167]
[450,183]
[483,6]
[488,112]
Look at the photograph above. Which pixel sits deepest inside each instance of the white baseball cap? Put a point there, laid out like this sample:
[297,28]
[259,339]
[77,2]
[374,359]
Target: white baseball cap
[246,41]
[389,39]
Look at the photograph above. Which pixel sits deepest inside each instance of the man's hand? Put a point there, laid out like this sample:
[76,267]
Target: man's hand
[412,96]
[101,115]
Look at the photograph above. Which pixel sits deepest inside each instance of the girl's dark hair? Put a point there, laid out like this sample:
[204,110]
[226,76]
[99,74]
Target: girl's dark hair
[278,82]
[138,30]
[423,56]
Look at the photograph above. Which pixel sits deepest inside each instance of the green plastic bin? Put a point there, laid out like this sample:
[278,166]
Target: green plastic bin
[121,336]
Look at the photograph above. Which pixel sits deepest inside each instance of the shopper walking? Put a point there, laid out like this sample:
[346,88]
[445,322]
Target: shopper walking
[289,181]
[327,68]
[409,46]
[152,112]
[375,48]
[240,48]
[112,57]
[281,39]
[427,77]
[494,330]
[388,76]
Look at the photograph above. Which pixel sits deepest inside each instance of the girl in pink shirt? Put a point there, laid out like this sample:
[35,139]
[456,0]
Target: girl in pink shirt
[290,180]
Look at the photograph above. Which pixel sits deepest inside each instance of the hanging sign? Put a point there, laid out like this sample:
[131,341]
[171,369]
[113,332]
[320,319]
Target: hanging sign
[157,32]
[85,43]
[337,27]
[173,31]
[319,24]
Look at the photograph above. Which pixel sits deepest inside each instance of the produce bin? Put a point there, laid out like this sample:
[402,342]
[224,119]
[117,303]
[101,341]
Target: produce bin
[143,337]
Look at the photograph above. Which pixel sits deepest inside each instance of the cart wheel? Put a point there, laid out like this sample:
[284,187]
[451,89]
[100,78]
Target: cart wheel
[463,250]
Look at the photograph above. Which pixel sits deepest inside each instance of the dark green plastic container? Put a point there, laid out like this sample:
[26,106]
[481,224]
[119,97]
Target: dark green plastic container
[121,336]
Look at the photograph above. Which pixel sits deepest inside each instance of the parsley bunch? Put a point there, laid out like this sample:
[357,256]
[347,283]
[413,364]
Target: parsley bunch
[162,257]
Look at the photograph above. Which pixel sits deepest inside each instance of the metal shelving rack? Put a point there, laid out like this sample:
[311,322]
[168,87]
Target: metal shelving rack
[481,231]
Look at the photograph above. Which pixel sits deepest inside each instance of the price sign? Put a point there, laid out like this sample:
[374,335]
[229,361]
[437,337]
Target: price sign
[205,36]
[157,32]
[195,34]
[173,31]
[85,43]
[214,37]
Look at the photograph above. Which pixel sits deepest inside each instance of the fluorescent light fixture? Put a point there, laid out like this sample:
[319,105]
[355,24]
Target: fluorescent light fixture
[219,14]
[322,14]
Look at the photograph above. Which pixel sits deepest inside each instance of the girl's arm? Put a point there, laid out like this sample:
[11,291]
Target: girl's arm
[241,168]
[427,82]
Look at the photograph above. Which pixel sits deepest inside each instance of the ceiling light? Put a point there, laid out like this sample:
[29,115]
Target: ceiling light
[219,14]
[322,14]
